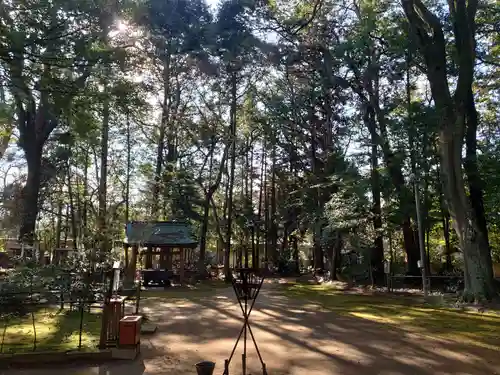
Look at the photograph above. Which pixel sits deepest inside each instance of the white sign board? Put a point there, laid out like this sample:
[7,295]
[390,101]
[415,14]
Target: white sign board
[116,280]
[387,267]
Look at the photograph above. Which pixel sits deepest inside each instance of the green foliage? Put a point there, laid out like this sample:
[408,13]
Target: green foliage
[235,43]
[168,67]
[21,283]
[186,197]
[178,26]
[348,203]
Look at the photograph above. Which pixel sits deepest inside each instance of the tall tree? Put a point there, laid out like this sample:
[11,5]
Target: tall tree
[235,45]
[455,112]
[179,30]
[48,62]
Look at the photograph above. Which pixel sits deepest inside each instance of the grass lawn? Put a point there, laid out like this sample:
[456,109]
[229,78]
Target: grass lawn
[56,330]
[480,329]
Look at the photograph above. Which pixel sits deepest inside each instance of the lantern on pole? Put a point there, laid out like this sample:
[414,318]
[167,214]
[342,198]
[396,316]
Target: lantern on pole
[246,284]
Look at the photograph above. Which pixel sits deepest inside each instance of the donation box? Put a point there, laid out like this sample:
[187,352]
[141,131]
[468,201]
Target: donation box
[130,330]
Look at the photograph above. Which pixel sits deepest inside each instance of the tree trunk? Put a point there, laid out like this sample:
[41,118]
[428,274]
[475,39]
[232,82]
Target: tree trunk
[368,92]
[446,233]
[171,160]
[406,201]
[66,225]
[74,230]
[259,209]
[425,215]
[317,173]
[85,199]
[8,126]
[377,253]
[127,194]
[59,219]
[165,118]
[51,245]
[273,232]
[30,192]
[266,218]
[232,167]
[411,247]
[250,208]
[335,256]
[203,238]
[284,243]
[296,255]
[471,167]
[478,269]
[319,263]
[445,219]
[206,208]
[103,182]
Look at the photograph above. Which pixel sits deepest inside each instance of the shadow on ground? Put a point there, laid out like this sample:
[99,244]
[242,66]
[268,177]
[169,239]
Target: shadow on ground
[294,337]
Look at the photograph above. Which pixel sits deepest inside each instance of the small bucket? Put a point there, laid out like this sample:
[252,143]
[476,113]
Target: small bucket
[205,368]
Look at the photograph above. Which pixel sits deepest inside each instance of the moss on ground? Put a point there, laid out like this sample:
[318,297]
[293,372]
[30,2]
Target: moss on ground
[406,313]
[56,330]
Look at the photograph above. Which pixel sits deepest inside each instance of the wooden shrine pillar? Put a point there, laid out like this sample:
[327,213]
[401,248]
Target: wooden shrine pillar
[149,258]
[126,268]
[169,255]
[181,266]
[132,264]
[164,258]
[126,252]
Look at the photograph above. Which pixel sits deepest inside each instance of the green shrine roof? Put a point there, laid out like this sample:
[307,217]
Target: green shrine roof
[160,233]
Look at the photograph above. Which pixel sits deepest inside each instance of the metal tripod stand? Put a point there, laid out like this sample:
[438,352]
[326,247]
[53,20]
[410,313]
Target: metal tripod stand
[246,286]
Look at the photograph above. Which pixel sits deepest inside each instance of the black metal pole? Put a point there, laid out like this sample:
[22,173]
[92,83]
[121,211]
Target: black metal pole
[244,356]
[81,327]
[236,344]
[138,298]
[255,344]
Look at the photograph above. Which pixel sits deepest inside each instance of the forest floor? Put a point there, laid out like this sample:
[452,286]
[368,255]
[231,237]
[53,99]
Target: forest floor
[309,329]
[56,330]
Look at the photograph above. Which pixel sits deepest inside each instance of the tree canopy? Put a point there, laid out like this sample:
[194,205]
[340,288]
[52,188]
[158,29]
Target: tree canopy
[279,130]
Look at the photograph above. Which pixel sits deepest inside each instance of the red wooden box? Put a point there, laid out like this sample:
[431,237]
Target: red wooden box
[130,330]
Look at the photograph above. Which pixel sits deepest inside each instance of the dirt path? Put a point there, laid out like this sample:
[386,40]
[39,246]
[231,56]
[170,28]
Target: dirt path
[293,338]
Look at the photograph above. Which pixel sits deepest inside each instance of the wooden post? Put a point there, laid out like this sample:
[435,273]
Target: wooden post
[149,258]
[126,254]
[169,258]
[133,261]
[104,326]
[103,337]
[181,270]
[164,258]
[138,298]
